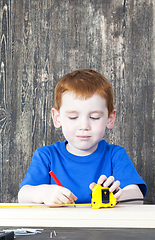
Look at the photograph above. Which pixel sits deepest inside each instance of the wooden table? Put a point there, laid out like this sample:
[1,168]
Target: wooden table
[120,216]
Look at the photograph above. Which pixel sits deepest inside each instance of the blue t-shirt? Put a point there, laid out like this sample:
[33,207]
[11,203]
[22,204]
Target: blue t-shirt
[77,172]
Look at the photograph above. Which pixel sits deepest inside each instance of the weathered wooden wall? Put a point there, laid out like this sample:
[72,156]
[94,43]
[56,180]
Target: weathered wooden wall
[40,41]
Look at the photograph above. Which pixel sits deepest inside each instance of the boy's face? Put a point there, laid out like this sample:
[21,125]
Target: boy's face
[83,122]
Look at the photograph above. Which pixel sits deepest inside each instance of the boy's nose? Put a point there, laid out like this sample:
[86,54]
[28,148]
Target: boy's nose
[84,125]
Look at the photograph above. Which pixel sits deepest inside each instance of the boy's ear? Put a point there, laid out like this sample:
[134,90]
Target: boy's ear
[111,120]
[56,118]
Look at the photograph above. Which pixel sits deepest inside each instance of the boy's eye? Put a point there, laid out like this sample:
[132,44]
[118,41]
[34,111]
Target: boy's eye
[95,118]
[72,118]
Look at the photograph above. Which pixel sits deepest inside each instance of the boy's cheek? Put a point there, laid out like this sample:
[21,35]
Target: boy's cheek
[67,128]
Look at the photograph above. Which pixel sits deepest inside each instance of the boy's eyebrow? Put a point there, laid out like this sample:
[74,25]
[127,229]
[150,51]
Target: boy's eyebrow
[100,112]
[97,112]
[71,111]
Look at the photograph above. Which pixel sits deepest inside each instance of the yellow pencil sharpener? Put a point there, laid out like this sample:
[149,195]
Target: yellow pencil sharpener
[101,197]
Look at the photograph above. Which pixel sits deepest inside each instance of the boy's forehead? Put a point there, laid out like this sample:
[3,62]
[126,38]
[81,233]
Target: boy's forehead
[69,99]
[74,96]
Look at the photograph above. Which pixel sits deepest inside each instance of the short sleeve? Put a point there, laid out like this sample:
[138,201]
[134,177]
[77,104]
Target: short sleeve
[38,172]
[124,170]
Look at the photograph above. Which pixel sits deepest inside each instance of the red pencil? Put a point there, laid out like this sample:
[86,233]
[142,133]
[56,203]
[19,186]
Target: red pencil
[55,178]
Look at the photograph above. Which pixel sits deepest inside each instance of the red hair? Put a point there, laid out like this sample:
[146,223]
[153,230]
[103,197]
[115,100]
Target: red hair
[84,83]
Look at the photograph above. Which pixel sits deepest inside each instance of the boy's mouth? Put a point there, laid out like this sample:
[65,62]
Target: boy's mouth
[84,137]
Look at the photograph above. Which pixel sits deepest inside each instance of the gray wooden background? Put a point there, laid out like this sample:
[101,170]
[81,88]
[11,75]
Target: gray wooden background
[40,41]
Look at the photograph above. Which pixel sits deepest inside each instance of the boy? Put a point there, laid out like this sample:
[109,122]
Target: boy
[84,108]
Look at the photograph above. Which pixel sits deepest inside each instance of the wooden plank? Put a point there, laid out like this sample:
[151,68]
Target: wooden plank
[121,216]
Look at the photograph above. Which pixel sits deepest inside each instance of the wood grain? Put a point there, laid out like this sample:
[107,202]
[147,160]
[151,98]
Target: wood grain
[40,41]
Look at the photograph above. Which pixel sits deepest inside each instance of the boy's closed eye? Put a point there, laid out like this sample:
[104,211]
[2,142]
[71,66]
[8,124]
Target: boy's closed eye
[75,117]
[95,118]
[72,117]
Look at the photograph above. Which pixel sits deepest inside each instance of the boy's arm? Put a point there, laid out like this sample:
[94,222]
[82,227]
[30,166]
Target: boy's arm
[45,193]
[131,192]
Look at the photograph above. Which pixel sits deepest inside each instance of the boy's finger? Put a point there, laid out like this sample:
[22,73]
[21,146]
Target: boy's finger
[71,197]
[109,181]
[118,193]
[65,200]
[92,185]
[114,186]
[74,198]
[68,194]
[102,179]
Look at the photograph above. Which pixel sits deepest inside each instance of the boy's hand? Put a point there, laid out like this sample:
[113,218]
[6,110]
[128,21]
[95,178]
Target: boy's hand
[54,194]
[47,194]
[111,183]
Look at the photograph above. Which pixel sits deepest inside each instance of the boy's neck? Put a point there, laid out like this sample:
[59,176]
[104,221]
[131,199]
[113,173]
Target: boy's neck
[79,152]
